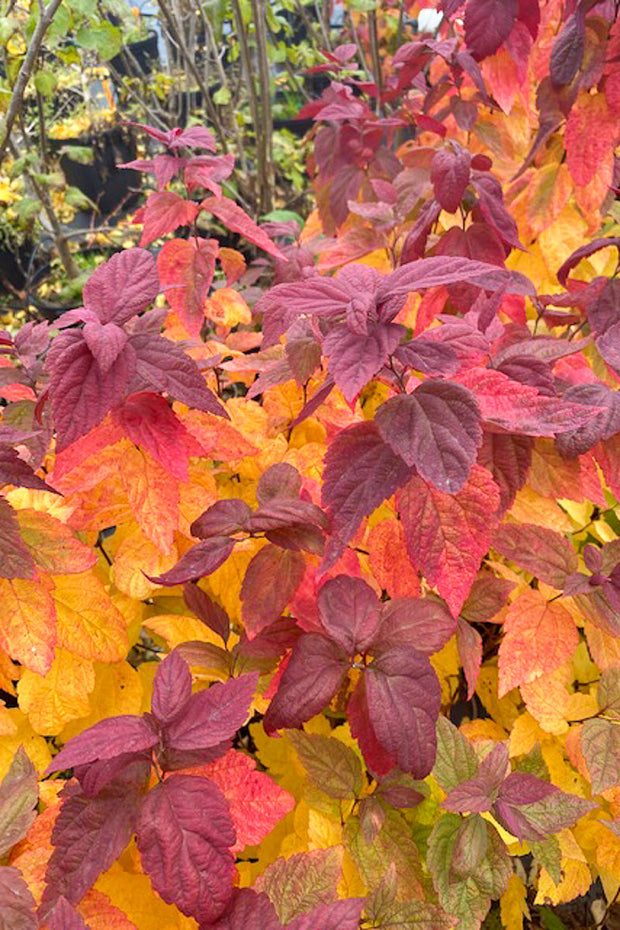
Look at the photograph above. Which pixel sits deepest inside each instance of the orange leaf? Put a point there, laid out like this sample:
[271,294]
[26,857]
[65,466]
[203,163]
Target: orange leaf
[153,496]
[539,636]
[589,139]
[388,560]
[53,546]
[228,308]
[28,628]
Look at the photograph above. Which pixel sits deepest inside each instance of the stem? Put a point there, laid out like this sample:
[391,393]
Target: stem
[246,63]
[373,36]
[17,95]
[265,151]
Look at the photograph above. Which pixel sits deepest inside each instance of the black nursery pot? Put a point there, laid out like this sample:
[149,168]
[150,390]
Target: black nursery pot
[145,52]
[298,127]
[109,187]
[14,265]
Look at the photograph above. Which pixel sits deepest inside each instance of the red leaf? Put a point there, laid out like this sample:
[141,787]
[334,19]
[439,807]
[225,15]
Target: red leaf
[424,623]
[165,212]
[214,616]
[163,365]
[403,698]
[14,470]
[15,559]
[237,220]
[65,917]
[543,552]
[447,536]
[349,612]
[377,759]
[316,669]
[212,716]
[200,560]
[355,358]
[469,642]
[148,421]
[17,906]
[436,429]
[186,268]
[450,176]
[430,272]
[533,809]
[488,23]
[184,839]
[80,392]
[106,739]
[207,170]
[491,202]
[361,471]
[123,286]
[508,458]
[222,518]
[256,802]
[340,915]
[270,582]
[248,909]
[172,688]
[106,341]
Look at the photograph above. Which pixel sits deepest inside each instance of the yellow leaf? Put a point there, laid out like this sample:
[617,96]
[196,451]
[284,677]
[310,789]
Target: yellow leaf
[504,710]
[447,664]
[89,625]
[37,749]
[227,307]
[225,583]
[513,904]
[50,701]
[530,507]
[135,558]
[575,871]
[134,895]
[118,690]
[178,628]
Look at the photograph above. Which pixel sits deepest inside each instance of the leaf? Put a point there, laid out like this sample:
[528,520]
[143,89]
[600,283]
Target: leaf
[422,623]
[53,546]
[546,554]
[257,804]
[17,906]
[349,612]
[108,738]
[361,471]
[341,915]
[153,496]
[355,358]
[315,671]
[184,836]
[248,909]
[508,458]
[608,693]
[14,470]
[270,582]
[436,429]
[332,766]
[600,744]
[88,835]
[513,904]
[587,152]
[28,629]
[532,809]
[172,688]
[388,559]
[403,699]
[163,365]
[163,213]
[302,881]
[447,536]
[223,518]
[236,220]
[65,917]
[450,176]
[392,847]
[147,420]
[202,559]
[488,23]
[209,717]
[89,625]
[207,610]
[186,268]
[455,761]
[60,695]
[567,50]
[478,794]
[122,287]
[15,559]
[538,637]
[19,793]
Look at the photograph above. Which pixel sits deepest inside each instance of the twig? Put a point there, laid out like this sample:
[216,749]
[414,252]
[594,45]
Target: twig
[265,153]
[23,76]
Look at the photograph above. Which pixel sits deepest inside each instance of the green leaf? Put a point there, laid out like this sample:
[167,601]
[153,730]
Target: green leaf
[392,844]
[470,847]
[456,760]
[106,40]
[332,766]
[282,216]
[19,793]
[60,24]
[27,208]
[600,744]
[75,198]
[302,882]
[609,693]
[45,82]
[548,853]
[549,920]
[83,8]
[7,28]
[222,96]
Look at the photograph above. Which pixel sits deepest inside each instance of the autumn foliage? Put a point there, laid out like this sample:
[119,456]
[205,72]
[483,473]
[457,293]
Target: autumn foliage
[310,571]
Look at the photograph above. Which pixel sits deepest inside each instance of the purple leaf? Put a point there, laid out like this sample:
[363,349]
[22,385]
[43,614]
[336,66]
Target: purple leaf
[491,201]
[213,715]
[106,739]
[221,519]
[403,698]
[567,50]
[281,480]
[488,23]
[81,393]
[430,272]
[17,906]
[427,355]
[14,470]
[584,251]
[355,358]
[315,671]
[184,837]
[602,426]
[341,915]
[479,793]
[282,512]
[361,471]
[486,598]
[450,176]
[436,429]
[94,776]
[163,365]
[106,341]
[15,558]
[123,286]
[65,917]
[214,616]
[19,793]
[270,582]
[424,623]
[303,351]
[246,910]
[349,612]
[200,560]
[543,552]
[172,688]
[88,835]
[532,809]
[508,458]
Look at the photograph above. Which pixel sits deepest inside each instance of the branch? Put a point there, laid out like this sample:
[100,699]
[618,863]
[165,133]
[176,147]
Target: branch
[17,96]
